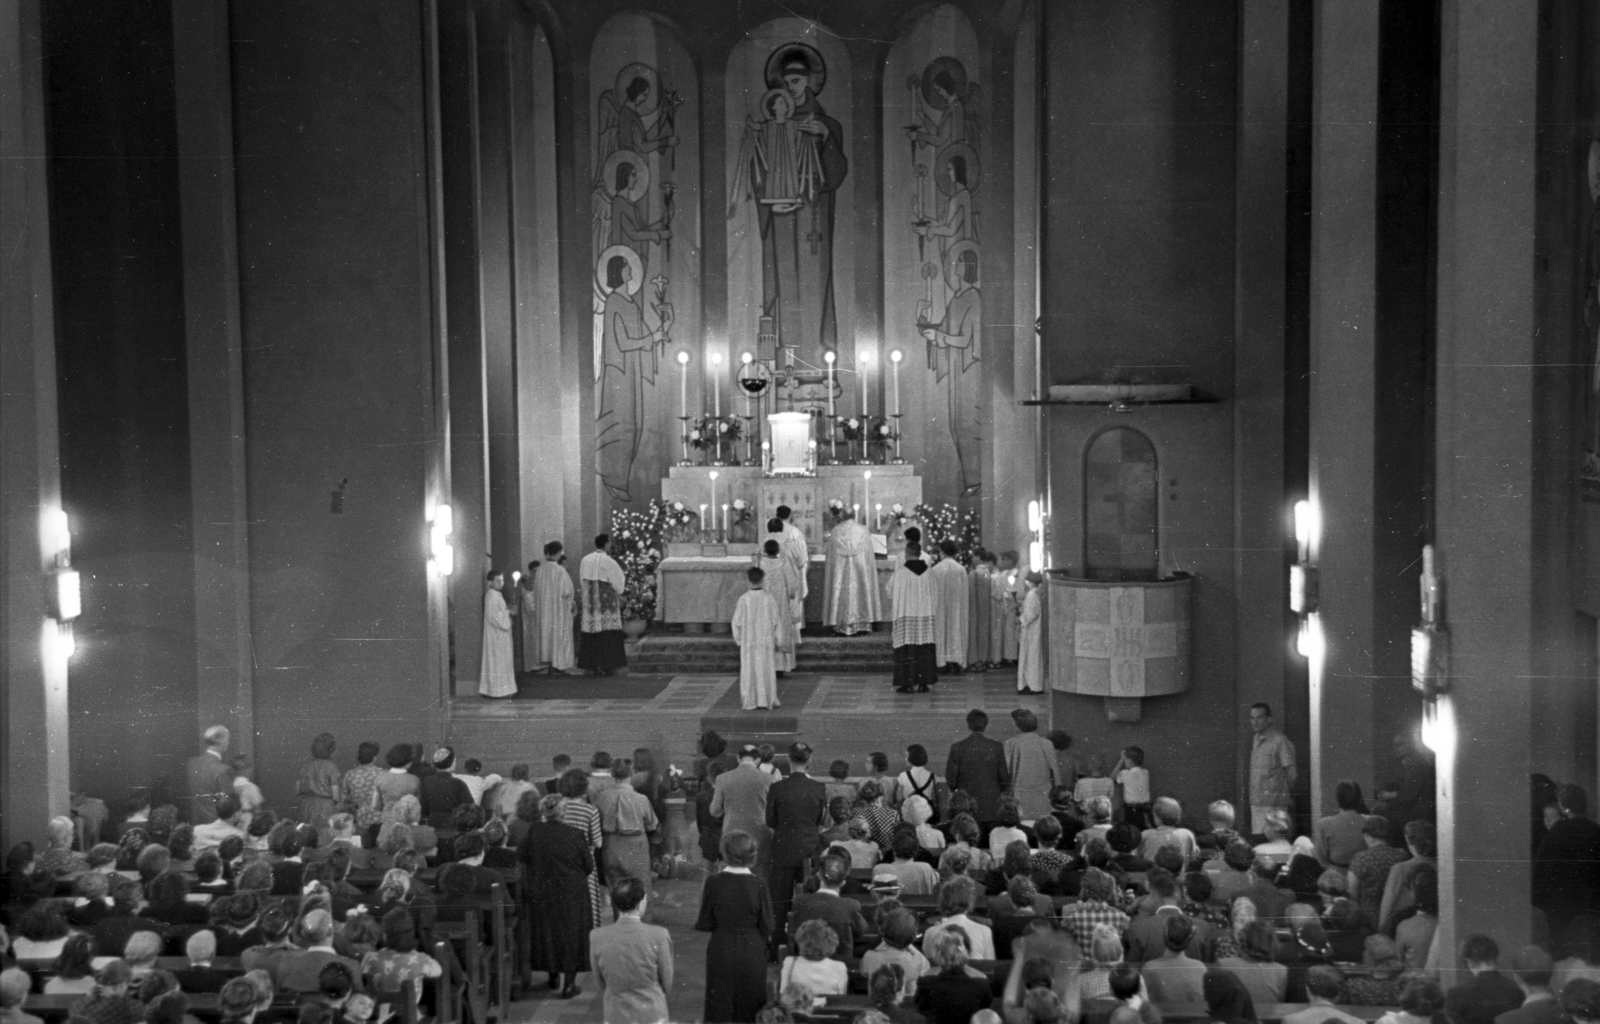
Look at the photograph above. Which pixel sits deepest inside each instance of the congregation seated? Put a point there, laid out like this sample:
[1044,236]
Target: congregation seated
[74,970]
[888,994]
[272,932]
[1105,955]
[236,923]
[1380,984]
[897,932]
[41,932]
[948,994]
[1256,966]
[112,931]
[14,986]
[299,967]
[200,976]
[168,895]
[109,1001]
[840,913]
[399,960]
[913,877]
[1174,977]
[957,897]
[815,965]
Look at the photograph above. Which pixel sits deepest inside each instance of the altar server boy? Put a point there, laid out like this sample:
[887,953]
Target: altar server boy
[757,629]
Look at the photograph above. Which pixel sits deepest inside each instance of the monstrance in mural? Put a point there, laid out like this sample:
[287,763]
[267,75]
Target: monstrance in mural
[791,162]
[945,174]
[632,239]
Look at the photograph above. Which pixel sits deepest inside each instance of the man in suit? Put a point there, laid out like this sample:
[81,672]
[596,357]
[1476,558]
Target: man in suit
[839,912]
[441,792]
[1324,986]
[1566,870]
[208,776]
[1147,935]
[1531,968]
[740,800]
[1487,993]
[632,960]
[797,811]
[977,765]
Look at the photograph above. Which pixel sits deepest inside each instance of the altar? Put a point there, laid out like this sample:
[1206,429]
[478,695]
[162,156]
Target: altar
[702,589]
[806,495]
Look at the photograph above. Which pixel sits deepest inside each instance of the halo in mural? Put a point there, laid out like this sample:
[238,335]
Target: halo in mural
[635,266]
[788,53]
[641,174]
[954,81]
[969,172]
[631,73]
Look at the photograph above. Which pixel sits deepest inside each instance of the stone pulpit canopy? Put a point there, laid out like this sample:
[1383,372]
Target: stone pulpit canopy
[1121,628]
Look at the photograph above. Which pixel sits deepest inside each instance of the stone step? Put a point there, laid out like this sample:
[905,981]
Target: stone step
[699,652]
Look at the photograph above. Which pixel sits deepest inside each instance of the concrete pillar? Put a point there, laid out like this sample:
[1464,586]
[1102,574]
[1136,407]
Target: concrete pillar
[1492,467]
[221,531]
[1259,295]
[34,755]
[1343,387]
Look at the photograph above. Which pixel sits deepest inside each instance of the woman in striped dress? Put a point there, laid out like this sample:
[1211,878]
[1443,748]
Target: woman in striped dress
[582,815]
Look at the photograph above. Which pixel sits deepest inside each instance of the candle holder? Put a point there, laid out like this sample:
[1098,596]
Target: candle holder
[749,441]
[833,441]
[685,461]
[898,461]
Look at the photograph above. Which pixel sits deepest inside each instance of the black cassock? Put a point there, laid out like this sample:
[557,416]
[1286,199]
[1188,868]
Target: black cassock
[556,863]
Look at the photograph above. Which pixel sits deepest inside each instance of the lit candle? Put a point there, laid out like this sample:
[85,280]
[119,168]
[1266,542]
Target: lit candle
[866,362]
[895,358]
[702,517]
[724,518]
[858,511]
[716,392]
[877,516]
[766,457]
[827,357]
[683,377]
[713,499]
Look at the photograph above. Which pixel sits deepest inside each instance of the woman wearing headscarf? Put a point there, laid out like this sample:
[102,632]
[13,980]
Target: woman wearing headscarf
[557,862]
[1227,1001]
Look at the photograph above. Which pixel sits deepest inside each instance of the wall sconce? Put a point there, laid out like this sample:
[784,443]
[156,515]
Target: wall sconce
[1303,576]
[64,596]
[441,556]
[1036,545]
[1430,641]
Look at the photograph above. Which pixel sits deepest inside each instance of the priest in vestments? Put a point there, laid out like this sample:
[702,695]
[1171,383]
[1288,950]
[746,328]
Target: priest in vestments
[756,629]
[850,584]
[950,600]
[600,648]
[980,590]
[798,555]
[1030,643]
[497,671]
[1006,611]
[526,614]
[784,589]
[553,613]
[911,598]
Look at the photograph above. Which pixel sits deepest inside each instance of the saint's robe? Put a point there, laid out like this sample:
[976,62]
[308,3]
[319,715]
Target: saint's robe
[1030,646]
[497,675]
[950,600]
[784,590]
[978,614]
[756,626]
[850,585]
[553,614]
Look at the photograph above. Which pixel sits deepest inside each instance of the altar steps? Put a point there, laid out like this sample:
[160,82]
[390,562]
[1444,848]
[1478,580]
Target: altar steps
[683,653]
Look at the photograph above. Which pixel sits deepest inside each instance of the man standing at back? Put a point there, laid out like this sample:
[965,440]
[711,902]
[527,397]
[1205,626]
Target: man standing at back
[797,810]
[1566,870]
[740,800]
[977,765]
[632,960]
[208,776]
[1272,768]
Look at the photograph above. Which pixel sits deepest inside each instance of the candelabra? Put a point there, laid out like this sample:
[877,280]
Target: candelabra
[684,437]
[898,461]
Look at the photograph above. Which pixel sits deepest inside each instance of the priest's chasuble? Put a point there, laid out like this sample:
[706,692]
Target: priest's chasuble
[979,618]
[1030,646]
[756,625]
[552,618]
[950,601]
[798,553]
[850,584]
[497,676]
[784,590]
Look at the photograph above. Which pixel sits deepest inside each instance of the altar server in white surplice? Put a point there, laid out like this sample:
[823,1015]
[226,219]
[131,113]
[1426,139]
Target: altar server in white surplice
[756,626]
[784,589]
[1030,645]
[798,552]
[950,599]
[912,600]
[1008,586]
[497,673]
[850,584]
[553,612]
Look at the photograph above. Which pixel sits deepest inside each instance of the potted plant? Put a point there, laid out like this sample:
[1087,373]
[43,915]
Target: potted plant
[637,539]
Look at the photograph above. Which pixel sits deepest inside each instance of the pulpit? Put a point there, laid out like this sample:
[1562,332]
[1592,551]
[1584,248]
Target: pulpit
[1123,640]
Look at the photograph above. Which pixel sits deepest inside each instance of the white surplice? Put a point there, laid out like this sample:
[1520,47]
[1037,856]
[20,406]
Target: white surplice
[497,674]
[1006,594]
[850,584]
[1030,647]
[756,624]
[950,601]
[553,613]
[798,553]
[781,585]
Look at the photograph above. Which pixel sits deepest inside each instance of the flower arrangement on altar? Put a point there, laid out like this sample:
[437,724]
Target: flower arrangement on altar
[852,428]
[706,430]
[741,510]
[682,523]
[836,510]
[636,542]
[897,514]
[946,521]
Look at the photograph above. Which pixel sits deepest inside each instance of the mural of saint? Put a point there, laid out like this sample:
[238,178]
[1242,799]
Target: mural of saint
[791,163]
[955,346]
[631,227]
[630,351]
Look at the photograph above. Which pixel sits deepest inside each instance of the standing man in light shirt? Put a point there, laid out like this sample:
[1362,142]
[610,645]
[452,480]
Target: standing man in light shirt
[632,960]
[739,798]
[1272,767]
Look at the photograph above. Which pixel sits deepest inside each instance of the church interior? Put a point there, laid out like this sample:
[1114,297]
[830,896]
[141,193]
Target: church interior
[1266,331]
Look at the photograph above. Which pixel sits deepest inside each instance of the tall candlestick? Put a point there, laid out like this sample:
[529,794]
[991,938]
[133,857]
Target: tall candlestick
[724,522]
[877,516]
[895,358]
[827,357]
[865,361]
[683,378]
[713,502]
[866,488]
[716,390]
[702,518]
[833,419]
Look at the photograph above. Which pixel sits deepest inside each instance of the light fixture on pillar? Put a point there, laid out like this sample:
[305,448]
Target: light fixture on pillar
[1036,545]
[1430,642]
[441,556]
[64,598]
[1302,574]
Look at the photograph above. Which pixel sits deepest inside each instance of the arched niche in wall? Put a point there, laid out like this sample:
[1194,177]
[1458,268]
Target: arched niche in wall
[791,217]
[935,112]
[1121,497]
[644,245]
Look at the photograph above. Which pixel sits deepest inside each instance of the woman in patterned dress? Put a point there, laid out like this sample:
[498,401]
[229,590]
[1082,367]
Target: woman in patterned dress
[318,784]
[357,787]
[582,815]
